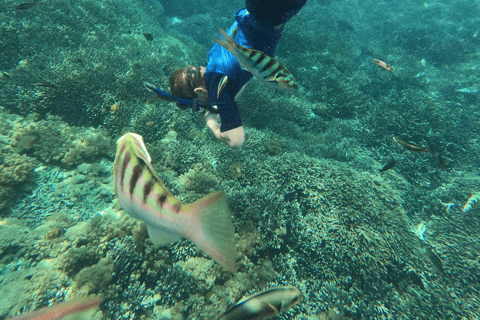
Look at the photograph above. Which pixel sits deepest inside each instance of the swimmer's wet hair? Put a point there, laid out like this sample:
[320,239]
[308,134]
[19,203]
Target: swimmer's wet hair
[183,83]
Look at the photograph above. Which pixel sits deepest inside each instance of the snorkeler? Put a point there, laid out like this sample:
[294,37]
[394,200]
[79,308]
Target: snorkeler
[212,89]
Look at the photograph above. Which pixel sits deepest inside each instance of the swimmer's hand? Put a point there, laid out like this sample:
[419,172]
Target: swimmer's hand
[149,86]
[210,118]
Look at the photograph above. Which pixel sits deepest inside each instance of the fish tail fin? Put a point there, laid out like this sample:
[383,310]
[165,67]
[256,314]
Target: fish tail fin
[227,43]
[211,228]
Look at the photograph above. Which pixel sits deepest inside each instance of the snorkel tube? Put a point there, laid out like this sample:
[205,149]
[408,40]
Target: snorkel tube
[193,104]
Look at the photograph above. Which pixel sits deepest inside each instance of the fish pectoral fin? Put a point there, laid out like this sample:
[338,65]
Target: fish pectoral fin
[161,237]
[273,308]
[234,32]
[272,79]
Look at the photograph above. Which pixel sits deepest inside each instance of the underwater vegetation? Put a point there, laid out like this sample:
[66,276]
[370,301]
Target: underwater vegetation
[309,205]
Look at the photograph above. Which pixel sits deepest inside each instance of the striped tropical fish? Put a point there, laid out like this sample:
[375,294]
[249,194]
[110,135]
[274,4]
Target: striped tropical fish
[206,222]
[263,67]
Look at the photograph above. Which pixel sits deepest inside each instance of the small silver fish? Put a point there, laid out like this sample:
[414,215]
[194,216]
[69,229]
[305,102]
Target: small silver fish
[264,305]
[467,90]
[141,193]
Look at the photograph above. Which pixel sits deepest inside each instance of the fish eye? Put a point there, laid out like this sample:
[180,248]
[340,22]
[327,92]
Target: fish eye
[290,83]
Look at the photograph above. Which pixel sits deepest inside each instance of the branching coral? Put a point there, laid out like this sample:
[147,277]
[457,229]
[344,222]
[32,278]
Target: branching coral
[341,223]
[176,284]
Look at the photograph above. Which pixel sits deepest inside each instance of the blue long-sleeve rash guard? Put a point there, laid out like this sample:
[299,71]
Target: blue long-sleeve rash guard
[251,34]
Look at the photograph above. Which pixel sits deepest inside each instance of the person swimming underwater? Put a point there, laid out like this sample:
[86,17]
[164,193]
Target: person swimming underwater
[213,88]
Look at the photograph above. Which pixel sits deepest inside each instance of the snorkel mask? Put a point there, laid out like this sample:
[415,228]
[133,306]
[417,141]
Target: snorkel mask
[194,105]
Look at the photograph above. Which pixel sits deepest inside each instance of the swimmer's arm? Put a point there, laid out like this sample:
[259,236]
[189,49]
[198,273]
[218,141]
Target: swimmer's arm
[234,137]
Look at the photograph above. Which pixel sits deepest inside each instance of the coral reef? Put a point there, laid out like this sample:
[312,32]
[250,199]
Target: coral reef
[52,140]
[14,170]
[274,146]
[201,179]
[309,206]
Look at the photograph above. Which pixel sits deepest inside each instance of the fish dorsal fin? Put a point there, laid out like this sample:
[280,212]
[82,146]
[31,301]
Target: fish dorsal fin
[244,298]
[137,147]
[161,237]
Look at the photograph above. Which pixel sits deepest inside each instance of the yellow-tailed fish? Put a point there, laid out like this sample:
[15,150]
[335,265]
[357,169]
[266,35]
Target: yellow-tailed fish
[142,194]
[263,67]
[264,305]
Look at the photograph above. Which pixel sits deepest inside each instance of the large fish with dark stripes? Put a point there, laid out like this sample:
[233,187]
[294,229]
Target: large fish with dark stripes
[263,67]
[142,194]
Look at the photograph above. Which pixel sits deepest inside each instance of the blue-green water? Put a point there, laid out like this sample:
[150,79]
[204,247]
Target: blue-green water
[309,205]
